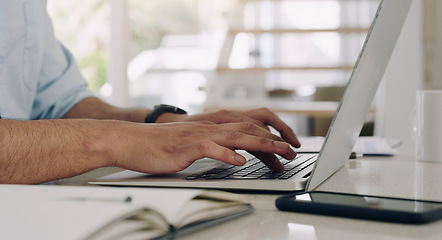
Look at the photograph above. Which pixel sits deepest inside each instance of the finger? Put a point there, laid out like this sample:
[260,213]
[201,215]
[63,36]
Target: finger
[242,141]
[270,160]
[233,117]
[270,118]
[248,128]
[287,134]
[210,149]
[251,129]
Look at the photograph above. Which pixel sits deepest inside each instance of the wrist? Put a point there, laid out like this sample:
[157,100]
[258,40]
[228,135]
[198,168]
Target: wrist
[112,142]
[170,117]
[97,141]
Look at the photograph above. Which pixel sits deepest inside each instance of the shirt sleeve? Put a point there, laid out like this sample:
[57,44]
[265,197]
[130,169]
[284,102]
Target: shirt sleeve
[56,96]
[60,85]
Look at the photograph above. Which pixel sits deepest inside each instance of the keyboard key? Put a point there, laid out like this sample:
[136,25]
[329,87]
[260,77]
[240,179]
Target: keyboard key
[240,178]
[272,175]
[256,175]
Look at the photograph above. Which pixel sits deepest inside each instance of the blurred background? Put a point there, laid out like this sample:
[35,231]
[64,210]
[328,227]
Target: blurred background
[205,55]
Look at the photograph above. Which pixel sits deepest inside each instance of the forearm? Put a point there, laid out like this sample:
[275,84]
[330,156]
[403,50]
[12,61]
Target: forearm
[41,151]
[94,108]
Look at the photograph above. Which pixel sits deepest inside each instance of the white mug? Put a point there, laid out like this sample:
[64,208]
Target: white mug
[429,125]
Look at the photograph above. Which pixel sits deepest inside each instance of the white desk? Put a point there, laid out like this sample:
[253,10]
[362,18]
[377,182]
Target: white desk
[394,177]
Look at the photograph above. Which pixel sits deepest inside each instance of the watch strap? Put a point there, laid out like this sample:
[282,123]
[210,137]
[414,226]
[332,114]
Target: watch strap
[160,109]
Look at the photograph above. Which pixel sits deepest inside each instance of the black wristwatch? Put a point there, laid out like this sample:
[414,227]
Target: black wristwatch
[160,109]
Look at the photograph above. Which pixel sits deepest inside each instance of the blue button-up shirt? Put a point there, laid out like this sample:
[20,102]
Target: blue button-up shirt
[39,78]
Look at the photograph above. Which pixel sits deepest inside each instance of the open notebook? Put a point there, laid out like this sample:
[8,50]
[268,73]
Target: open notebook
[98,213]
[307,171]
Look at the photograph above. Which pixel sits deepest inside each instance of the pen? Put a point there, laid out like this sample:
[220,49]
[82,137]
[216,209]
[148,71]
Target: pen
[355,155]
[126,199]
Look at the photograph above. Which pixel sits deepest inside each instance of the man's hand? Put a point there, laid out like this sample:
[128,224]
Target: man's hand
[171,147]
[262,117]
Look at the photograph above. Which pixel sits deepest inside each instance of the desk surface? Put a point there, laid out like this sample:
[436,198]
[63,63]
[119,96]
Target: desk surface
[395,177]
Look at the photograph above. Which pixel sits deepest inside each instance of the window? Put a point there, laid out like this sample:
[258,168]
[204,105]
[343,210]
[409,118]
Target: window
[176,45]
[82,26]
[304,41]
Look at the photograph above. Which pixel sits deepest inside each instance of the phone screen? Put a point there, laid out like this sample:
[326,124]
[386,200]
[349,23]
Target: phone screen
[403,205]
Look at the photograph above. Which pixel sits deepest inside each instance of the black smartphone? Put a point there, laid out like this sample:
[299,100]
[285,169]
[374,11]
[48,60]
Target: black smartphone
[378,208]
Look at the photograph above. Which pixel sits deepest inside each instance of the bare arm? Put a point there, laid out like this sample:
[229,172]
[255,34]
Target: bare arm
[44,150]
[96,109]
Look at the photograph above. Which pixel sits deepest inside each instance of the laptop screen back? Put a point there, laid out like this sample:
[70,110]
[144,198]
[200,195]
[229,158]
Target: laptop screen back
[361,89]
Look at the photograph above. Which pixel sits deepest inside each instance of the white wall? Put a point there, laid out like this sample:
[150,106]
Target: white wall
[432,14]
[403,77]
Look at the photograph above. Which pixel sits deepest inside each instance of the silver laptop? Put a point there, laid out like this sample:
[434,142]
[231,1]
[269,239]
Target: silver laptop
[307,171]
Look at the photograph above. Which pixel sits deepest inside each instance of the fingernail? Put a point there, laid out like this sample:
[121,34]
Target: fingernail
[282,145]
[240,159]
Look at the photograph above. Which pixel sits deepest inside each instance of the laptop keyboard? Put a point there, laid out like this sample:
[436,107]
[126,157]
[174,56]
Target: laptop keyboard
[255,169]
